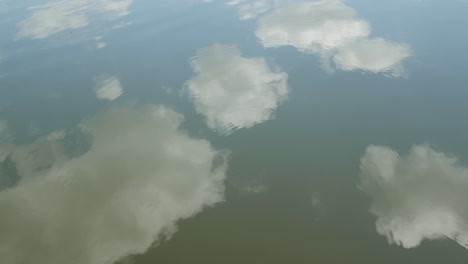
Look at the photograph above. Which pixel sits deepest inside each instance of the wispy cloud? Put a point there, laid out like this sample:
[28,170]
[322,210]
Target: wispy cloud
[233,91]
[416,197]
[140,175]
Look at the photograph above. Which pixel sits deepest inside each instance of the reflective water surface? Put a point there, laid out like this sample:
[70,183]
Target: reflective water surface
[233,131]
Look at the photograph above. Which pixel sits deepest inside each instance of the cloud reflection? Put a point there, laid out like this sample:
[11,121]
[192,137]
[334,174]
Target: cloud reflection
[58,16]
[138,178]
[232,91]
[332,30]
[420,196]
[107,87]
[373,55]
[251,9]
[100,43]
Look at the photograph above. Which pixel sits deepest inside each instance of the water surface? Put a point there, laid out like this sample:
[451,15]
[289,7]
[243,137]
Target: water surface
[241,131]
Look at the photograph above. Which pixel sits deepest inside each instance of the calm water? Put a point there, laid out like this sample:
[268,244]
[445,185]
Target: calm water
[233,131]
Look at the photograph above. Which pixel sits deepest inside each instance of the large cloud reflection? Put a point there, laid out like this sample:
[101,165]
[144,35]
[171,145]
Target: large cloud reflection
[332,30]
[61,15]
[138,178]
[232,91]
[419,196]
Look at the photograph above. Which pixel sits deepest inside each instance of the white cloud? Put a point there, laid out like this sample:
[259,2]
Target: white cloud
[249,9]
[112,8]
[61,15]
[107,87]
[253,9]
[235,2]
[140,176]
[420,196]
[362,54]
[232,91]
[332,30]
[100,43]
[311,26]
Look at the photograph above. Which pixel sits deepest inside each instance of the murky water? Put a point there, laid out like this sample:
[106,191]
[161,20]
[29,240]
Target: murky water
[233,131]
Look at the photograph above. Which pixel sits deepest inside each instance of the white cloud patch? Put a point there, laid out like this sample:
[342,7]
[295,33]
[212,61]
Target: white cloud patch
[61,15]
[235,2]
[232,91]
[107,87]
[361,54]
[139,177]
[311,26]
[249,9]
[420,196]
[100,43]
[332,30]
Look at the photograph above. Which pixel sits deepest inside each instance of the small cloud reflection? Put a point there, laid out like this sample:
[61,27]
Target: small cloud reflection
[122,25]
[233,91]
[100,43]
[317,206]
[420,196]
[63,15]
[251,9]
[140,175]
[107,87]
[253,189]
[333,31]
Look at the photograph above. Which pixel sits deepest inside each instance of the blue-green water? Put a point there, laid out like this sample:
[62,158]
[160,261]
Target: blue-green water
[269,131]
